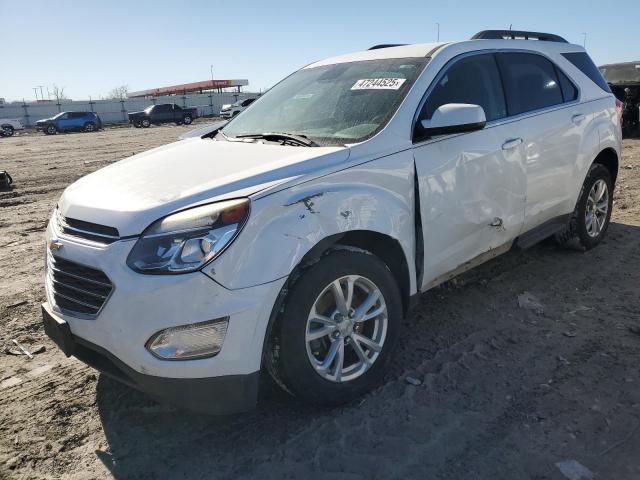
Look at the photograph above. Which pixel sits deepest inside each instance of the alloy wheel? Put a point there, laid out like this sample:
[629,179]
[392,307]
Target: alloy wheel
[597,208]
[346,328]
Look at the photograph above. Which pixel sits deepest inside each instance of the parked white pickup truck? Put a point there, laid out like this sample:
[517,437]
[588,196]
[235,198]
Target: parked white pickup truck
[10,125]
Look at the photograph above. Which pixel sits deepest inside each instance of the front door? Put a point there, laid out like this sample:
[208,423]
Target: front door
[163,113]
[472,185]
[64,121]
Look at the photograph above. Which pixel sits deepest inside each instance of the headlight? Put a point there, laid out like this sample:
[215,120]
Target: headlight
[188,240]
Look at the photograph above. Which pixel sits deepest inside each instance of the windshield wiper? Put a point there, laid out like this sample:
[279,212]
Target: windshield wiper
[287,137]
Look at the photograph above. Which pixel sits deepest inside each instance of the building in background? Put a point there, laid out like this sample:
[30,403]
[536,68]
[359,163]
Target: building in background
[195,87]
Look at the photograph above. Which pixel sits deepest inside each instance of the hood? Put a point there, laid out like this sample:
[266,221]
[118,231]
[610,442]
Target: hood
[129,195]
[44,120]
[139,112]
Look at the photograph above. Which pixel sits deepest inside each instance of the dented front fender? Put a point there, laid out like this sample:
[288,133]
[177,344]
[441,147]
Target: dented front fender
[376,196]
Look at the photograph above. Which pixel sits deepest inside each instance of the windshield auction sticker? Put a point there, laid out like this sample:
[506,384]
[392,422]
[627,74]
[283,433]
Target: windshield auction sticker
[378,84]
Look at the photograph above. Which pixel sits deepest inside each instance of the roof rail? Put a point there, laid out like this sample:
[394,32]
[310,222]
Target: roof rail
[387,45]
[517,35]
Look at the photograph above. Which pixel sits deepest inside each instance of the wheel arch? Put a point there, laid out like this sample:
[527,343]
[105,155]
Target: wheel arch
[383,246]
[609,159]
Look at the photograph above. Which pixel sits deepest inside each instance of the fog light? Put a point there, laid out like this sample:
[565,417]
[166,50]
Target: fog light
[188,342]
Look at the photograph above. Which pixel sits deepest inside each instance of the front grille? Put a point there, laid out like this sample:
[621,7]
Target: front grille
[87,230]
[76,288]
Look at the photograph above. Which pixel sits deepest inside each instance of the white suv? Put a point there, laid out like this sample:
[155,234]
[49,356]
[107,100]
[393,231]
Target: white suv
[230,110]
[9,125]
[293,239]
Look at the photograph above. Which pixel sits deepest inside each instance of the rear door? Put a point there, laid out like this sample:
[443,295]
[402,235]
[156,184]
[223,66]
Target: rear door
[471,185]
[78,119]
[550,122]
[177,113]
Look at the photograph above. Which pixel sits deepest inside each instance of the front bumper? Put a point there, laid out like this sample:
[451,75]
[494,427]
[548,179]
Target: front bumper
[141,305]
[216,395]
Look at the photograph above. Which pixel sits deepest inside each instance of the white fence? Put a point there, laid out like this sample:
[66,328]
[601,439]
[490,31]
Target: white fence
[115,111]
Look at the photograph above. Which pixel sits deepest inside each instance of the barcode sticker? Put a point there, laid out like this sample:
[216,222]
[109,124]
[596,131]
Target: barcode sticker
[378,84]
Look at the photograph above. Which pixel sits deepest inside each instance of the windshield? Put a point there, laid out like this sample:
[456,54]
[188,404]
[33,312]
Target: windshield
[148,109]
[58,115]
[332,104]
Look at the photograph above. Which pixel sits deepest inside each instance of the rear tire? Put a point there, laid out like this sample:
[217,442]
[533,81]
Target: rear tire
[590,220]
[187,120]
[7,131]
[302,363]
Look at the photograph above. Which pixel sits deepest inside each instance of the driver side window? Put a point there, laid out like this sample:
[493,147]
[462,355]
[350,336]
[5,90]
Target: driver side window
[475,80]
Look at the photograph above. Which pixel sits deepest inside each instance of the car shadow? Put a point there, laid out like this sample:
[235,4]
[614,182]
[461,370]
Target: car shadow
[150,440]
[137,427]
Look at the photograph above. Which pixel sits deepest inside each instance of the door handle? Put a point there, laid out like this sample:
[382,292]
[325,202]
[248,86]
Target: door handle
[511,143]
[577,118]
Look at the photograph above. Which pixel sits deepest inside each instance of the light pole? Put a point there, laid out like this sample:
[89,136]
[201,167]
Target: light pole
[35,90]
[438,25]
[584,39]
[211,68]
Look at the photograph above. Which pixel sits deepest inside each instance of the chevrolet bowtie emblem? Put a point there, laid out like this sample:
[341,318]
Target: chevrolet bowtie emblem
[54,244]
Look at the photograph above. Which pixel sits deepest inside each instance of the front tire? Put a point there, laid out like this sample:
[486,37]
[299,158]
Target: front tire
[333,340]
[7,131]
[590,220]
[145,123]
[50,130]
[187,120]
[89,127]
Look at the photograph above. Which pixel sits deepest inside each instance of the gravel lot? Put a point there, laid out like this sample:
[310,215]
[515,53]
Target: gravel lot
[505,392]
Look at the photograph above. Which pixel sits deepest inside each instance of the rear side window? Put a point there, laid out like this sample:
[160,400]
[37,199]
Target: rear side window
[584,63]
[530,82]
[569,90]
[474,80]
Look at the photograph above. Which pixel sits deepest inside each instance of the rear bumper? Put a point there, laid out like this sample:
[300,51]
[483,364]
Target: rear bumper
[213,395]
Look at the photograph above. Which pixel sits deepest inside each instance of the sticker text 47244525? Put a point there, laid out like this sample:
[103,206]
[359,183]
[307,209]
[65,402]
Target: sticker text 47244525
[378,84]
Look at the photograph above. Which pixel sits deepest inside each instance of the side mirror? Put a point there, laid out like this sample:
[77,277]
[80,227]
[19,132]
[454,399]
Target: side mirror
[455,118]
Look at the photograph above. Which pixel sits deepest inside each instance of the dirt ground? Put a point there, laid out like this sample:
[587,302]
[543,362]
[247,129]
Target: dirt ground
[505,393]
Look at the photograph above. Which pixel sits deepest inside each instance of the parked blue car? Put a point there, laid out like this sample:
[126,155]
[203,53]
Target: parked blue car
[70,121]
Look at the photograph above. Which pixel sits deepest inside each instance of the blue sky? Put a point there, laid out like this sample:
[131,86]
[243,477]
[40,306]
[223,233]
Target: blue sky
[91,47]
